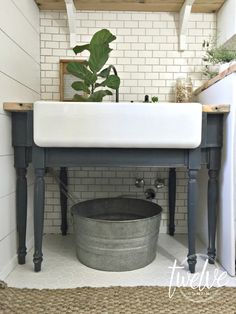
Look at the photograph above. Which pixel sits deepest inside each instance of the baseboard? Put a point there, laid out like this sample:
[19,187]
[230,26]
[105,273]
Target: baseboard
[8,268]
[13,262]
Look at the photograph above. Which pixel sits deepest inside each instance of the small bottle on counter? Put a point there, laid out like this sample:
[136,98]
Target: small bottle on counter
[146,98]
[183,90]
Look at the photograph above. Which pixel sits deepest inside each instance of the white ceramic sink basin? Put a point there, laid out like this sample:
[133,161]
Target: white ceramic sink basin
[121,125]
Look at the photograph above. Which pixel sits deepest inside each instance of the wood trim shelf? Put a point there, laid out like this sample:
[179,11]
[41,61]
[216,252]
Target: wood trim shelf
[215,79]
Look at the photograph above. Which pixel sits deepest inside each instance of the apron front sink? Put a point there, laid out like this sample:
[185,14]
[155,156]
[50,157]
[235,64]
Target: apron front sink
[117,125]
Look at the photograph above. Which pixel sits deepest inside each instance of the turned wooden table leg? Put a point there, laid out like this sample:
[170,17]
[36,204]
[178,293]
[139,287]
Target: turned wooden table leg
[172,198]
[213,192]
[20,154]
[192,207]
[63,199]
[21,141]
[39,192]
[21,209]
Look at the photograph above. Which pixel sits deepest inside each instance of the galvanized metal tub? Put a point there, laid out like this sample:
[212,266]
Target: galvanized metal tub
[116,234]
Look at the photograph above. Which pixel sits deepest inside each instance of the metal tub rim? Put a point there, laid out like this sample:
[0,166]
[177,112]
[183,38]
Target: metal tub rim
[158,208]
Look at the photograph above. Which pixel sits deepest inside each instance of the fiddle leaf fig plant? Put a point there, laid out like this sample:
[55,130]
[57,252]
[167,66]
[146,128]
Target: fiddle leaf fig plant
[91,72]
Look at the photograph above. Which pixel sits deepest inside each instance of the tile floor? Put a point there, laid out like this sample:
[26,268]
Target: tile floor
[61,269]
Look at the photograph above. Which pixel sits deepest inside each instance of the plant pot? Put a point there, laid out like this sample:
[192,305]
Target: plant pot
[225,66]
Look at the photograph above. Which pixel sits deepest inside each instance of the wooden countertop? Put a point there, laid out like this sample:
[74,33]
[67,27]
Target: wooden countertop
[17,107]
[21,107]
[215,79]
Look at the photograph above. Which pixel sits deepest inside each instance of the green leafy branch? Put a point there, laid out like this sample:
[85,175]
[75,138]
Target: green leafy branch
[90,72]
[216,55]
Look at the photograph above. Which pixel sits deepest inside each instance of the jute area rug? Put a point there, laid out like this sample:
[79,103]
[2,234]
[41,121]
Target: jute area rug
[116,300]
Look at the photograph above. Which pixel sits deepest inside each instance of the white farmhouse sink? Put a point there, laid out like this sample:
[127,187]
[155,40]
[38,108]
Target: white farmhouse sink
[121,125]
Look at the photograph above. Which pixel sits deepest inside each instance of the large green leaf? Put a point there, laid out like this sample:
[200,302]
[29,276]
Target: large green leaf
[105,73]
[98,57]
[99,49]
[80,70]
[112,81]
[80,98]
[80,86]
[102,37]
[79,49]
[98,96]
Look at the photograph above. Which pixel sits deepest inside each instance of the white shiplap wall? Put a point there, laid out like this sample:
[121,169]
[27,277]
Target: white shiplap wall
[20,82]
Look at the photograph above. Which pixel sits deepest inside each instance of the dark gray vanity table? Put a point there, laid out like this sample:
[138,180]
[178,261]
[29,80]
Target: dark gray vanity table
[25,152]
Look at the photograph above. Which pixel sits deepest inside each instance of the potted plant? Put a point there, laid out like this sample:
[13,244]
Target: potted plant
[217,58]
[92,77]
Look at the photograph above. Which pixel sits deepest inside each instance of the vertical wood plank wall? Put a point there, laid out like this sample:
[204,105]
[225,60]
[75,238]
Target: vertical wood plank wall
[19,81]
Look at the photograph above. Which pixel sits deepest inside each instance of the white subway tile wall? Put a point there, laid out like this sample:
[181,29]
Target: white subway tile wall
[147,59]
[96,182]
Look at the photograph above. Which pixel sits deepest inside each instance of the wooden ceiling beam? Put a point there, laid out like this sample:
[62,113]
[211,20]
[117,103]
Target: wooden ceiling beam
[51,4]
[206,8]
[128,6]
[199,6]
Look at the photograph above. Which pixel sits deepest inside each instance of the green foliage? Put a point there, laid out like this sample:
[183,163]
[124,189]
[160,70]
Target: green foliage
[80,86]
[207,72]
[98,57]
[79,49]
[91,72]
[105,72]
[81,71]
[216,55]
[111,81]
[219,55]
[155,99]
[98,96]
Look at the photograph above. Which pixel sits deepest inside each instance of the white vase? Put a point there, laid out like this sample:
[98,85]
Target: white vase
[225,66]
